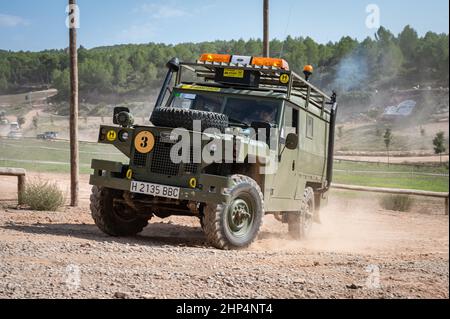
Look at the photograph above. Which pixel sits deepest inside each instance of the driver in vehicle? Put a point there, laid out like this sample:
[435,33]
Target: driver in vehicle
[267,116]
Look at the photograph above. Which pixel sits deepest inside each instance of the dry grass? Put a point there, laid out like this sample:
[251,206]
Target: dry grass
[399,203]
[41,195]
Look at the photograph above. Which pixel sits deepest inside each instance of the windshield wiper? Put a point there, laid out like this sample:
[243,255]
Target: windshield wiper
[238,122]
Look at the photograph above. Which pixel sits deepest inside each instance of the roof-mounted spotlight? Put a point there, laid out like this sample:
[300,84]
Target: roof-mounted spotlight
[308,71]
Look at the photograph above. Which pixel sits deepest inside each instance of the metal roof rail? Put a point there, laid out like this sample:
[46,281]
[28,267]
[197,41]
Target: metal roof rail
[270,79]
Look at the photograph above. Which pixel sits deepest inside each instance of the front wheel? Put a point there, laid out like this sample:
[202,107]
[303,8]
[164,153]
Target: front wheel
[235,225]
[114,219]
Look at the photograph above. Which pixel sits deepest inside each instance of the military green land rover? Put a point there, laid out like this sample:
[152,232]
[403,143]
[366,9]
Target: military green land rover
[233,138]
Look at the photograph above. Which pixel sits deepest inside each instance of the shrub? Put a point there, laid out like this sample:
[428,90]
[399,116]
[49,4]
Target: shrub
[399,203]
[42,195]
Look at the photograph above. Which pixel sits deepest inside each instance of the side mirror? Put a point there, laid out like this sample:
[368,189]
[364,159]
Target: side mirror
[117,111]
[292,141]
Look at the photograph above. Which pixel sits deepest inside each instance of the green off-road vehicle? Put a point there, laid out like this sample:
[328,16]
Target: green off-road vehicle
[233,138]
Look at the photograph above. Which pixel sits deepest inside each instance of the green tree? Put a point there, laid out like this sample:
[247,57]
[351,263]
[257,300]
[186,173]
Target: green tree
[345,46]
[96,75]
[387,141]
[408,41]
[439,144]
[384,62]
[3,84]
[61,82]
[150,73]
[4,75]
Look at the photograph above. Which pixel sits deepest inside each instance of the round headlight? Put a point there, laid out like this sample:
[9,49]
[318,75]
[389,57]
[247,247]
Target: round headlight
[124,136]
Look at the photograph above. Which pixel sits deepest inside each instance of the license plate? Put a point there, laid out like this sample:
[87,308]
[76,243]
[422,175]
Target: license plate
[155,190]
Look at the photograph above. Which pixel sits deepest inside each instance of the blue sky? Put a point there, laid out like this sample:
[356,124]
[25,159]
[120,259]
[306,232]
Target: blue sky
[38,25]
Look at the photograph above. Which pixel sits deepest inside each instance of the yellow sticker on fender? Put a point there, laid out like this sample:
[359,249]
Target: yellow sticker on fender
[200,88]
[144,142]
[111,136]
[233,73]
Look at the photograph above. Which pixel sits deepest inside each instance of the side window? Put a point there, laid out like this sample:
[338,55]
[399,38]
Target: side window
[309,126]
[290,120]
[295,115]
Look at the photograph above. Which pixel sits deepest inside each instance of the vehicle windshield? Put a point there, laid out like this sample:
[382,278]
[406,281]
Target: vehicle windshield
[240,111]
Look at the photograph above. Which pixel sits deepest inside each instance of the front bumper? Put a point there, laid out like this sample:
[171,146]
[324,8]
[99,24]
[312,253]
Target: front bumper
[212,192]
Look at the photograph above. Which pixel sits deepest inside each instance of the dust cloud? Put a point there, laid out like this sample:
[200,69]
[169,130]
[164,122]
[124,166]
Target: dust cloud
[352,73]
[350,225]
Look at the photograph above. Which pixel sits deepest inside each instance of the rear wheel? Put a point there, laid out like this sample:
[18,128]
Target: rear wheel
[300,223]
[114,219]
[235,225]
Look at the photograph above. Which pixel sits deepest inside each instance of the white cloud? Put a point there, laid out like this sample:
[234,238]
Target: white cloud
[145,31]
[12,21]
[163,11]
[137,33]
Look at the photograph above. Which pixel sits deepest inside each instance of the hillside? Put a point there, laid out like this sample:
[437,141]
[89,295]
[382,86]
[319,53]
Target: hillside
[352,68]
[368,76]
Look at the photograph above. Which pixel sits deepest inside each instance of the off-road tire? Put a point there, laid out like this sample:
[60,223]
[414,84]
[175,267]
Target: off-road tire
[183,118]
[300,223]
[105,214]
[216,223]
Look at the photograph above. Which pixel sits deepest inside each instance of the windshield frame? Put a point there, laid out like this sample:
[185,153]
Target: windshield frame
[227,96]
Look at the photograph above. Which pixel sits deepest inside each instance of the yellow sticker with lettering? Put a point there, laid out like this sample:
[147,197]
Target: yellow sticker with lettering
[144,142]
[111,136]
[284,78]
[200,88]
[233,73]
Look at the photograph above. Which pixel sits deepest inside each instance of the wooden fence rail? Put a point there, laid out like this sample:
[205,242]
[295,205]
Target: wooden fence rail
[395,191]
[20,173]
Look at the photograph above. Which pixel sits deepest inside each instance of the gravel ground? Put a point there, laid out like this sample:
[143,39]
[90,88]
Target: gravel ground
[359,251]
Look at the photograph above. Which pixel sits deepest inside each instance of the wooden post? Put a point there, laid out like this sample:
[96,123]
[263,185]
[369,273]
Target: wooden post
[446,206]
[266,41]
[74,156]
[21,180]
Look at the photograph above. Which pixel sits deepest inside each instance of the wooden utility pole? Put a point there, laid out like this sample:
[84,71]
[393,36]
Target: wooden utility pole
[266,44]
[74,157]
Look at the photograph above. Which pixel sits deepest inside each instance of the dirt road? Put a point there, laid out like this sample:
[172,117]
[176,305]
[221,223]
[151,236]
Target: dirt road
[359,251]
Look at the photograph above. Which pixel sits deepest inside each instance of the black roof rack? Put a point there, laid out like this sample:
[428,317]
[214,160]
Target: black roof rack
[269,79]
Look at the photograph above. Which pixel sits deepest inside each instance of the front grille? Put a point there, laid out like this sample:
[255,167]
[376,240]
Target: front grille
[139,160]
[161,162]
[191,167]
